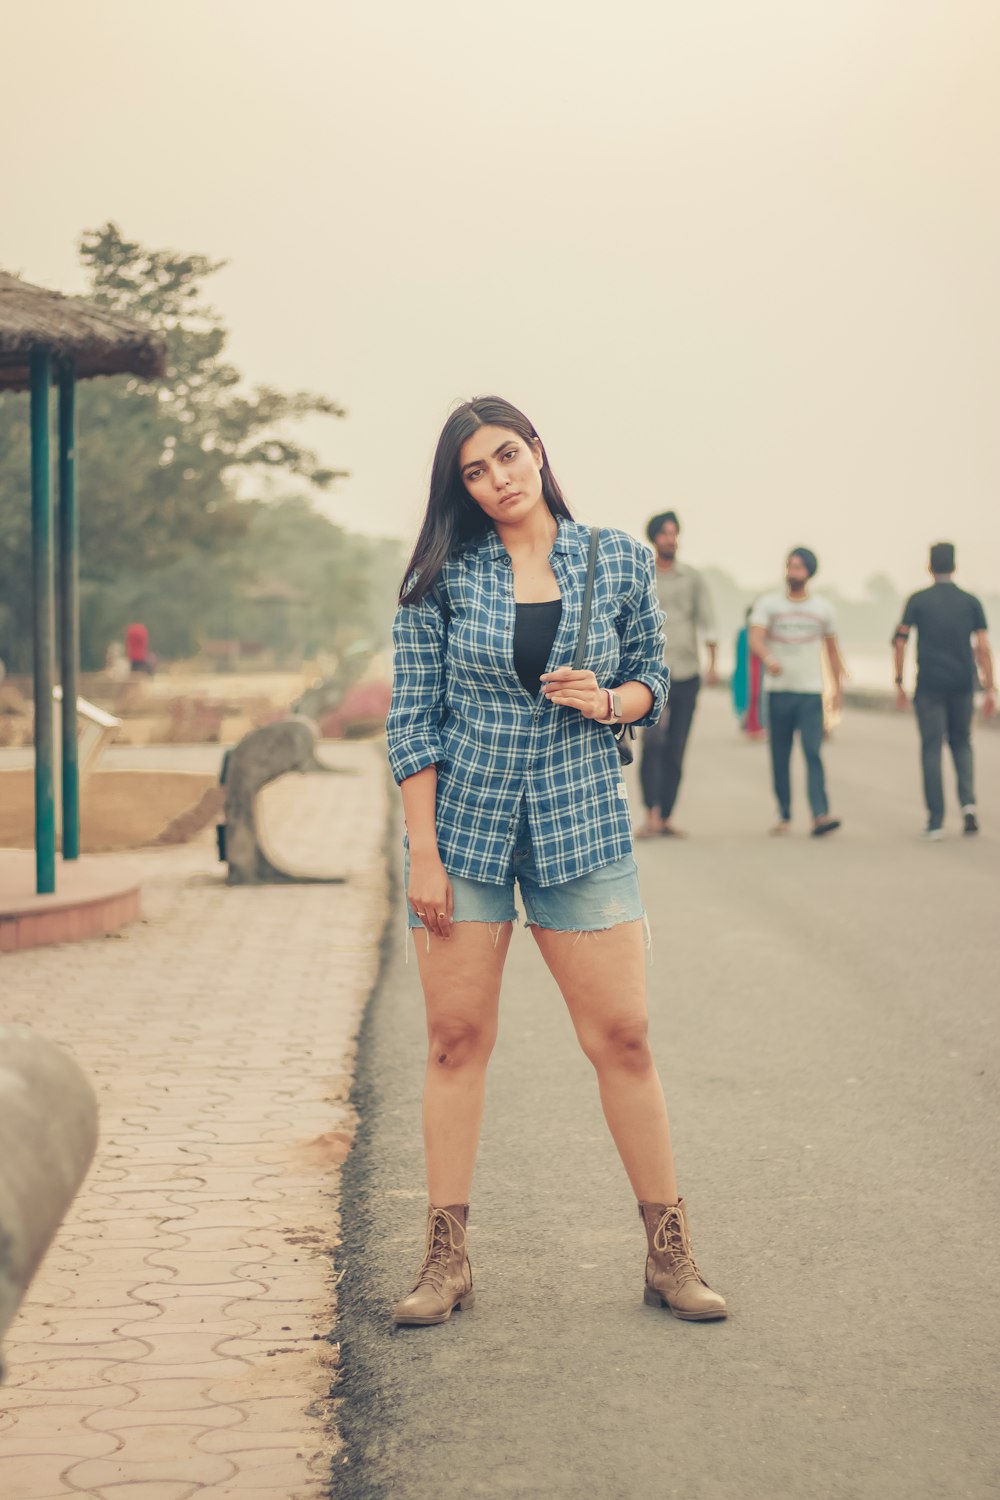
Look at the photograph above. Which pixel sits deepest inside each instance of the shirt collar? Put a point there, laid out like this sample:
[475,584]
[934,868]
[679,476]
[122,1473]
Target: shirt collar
[571,538]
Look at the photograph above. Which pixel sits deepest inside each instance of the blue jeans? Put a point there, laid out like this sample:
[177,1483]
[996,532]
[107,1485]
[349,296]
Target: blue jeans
[601,899]
[788,712]
[941,716]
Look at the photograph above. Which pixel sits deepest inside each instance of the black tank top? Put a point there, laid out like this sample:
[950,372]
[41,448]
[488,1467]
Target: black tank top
[535,627]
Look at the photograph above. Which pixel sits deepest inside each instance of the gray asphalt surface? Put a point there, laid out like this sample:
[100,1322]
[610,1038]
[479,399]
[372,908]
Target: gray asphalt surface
[824,1015]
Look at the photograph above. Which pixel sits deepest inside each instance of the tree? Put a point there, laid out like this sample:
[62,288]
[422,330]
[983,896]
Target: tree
[160,462]
[294,584]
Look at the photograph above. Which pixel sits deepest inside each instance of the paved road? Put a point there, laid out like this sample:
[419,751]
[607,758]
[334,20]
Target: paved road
[825,1018]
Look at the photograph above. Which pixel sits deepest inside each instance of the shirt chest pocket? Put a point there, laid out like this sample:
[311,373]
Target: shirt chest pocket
[604,646]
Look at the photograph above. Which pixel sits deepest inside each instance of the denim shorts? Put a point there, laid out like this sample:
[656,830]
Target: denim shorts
[592,903]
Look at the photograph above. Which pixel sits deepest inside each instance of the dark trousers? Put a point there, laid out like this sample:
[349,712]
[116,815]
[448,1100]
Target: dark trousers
[940,715]
[663,746]
[788,712]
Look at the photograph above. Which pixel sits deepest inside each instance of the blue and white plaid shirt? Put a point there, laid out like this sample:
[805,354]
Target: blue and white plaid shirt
[458,703]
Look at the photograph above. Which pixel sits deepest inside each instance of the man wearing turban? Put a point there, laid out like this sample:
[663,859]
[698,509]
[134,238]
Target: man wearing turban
[790,629]
[687,604]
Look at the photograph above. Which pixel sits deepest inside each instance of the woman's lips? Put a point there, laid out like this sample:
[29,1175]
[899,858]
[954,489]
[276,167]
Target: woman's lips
[514,495]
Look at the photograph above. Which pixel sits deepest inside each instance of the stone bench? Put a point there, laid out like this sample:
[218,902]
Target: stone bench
[262,756]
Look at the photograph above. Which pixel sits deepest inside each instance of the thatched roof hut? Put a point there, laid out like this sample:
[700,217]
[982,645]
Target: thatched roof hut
[99,342]
[45,339]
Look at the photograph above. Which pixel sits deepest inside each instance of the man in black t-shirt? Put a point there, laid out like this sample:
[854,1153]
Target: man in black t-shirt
[946,620]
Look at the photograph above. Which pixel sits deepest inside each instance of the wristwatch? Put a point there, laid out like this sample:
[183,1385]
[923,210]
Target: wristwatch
[615,710]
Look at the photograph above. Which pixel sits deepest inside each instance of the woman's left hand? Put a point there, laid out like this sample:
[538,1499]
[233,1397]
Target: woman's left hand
[579,690]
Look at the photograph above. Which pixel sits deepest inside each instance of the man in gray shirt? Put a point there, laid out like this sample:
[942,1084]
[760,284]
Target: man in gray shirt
[687,604]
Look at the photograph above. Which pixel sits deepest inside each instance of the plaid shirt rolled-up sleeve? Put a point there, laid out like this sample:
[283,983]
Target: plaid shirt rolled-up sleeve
[641,626]
[413,728]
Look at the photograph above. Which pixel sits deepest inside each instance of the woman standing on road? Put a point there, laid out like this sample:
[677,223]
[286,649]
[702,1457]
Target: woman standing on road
[509,771]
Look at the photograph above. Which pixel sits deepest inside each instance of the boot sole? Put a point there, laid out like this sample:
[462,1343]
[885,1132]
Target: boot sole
[459,1306]
[653,1299]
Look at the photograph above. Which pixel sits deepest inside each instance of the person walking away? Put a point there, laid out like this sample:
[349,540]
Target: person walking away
[137,648]
[946,620]
[505,753]
[789,631]
[687,604]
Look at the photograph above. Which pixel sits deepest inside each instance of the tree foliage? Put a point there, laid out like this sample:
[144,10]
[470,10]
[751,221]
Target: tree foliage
[162,466]
[293,584]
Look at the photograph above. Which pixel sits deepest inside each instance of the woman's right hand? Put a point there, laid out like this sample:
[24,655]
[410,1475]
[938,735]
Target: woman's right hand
[430,894]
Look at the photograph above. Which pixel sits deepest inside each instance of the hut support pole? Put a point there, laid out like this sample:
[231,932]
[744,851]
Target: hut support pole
[69,611]
[42,577]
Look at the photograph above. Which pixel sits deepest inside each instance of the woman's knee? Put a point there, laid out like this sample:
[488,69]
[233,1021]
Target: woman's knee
[621,1044]
[459,1041]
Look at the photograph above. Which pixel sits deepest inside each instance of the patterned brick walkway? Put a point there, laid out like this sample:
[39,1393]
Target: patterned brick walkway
[178,1338]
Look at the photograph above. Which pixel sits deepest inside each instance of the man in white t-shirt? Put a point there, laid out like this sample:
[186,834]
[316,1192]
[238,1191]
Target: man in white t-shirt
[789,631]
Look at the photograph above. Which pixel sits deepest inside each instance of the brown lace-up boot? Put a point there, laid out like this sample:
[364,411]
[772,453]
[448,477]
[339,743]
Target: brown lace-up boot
[672,1278]
[444,1281]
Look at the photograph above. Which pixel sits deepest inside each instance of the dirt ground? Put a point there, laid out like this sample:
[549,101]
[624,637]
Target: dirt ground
[118,809]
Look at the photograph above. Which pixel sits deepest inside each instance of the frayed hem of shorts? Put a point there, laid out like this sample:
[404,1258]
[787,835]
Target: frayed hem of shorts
[455,922]
[582,932]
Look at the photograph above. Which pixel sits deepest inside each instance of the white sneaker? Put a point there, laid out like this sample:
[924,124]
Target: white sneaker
[932,835]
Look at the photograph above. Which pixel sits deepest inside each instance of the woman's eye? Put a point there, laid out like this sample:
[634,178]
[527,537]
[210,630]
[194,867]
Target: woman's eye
[511,453]
[473,475]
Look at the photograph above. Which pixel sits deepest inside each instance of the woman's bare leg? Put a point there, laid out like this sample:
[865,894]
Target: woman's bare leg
[602,976]
[461,980]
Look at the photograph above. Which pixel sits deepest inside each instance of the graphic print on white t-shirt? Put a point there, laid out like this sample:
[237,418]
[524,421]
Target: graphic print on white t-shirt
[796,630]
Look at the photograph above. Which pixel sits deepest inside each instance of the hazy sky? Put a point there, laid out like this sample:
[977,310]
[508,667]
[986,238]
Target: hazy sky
[740,257]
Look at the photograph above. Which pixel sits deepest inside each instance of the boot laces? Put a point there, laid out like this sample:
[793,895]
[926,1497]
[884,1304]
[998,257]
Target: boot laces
[671,1241]
[442,1246]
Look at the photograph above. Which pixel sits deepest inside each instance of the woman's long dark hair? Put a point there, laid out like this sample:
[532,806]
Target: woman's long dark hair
[452,516]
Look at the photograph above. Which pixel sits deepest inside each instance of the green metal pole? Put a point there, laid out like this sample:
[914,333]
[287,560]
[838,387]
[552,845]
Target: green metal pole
[69,610]
[42,570]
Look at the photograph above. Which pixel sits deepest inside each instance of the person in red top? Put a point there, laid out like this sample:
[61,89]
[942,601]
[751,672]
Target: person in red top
[137,648]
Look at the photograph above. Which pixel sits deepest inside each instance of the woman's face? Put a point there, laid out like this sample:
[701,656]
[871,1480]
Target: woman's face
[502,472]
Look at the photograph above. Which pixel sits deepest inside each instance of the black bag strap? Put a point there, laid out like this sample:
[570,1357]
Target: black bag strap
[588,594]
